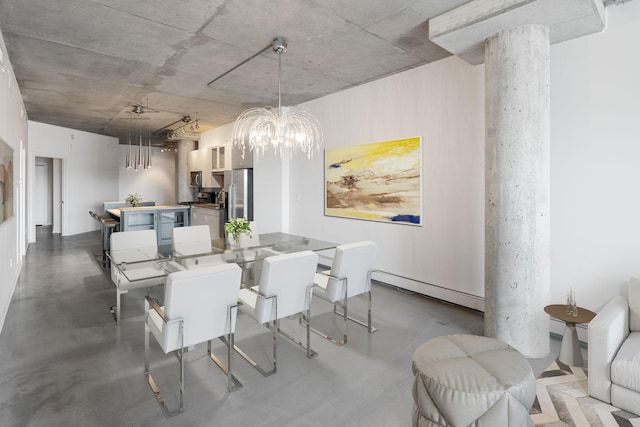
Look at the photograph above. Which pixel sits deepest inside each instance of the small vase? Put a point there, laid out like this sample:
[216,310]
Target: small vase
[233,241]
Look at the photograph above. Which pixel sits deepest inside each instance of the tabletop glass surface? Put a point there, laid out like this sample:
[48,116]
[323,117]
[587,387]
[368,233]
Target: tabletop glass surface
[265,245]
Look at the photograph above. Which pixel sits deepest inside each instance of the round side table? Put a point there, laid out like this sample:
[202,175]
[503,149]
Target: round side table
[570,350]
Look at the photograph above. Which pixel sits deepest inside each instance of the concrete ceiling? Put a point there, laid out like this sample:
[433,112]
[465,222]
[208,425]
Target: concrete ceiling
[84,64]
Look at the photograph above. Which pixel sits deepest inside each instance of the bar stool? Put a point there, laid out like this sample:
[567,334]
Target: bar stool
[108,226]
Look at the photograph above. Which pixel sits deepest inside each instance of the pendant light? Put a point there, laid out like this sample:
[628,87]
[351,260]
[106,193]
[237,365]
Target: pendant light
[127,162]
[292,127]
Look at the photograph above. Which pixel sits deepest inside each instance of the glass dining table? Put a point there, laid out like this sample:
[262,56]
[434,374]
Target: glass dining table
[247,257]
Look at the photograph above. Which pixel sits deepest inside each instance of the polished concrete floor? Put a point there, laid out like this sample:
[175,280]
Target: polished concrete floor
[65,362]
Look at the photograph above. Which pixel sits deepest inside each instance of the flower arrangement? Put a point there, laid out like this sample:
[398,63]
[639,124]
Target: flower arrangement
[133,199]
[237,226]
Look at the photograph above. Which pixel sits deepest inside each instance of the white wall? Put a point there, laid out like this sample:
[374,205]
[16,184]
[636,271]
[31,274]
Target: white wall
[443,103]
[89,172]
[157,184]
[13,131]
[595,153]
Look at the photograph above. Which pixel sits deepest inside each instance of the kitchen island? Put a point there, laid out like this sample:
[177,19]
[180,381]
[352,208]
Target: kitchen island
[163,219]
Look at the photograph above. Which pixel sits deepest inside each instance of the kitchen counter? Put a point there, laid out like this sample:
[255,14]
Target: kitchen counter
[206,205]
[117,211]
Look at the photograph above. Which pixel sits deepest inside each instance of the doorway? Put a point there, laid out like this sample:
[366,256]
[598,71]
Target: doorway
[47,201]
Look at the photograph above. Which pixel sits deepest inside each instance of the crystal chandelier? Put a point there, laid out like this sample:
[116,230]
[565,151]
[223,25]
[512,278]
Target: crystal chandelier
[262,128]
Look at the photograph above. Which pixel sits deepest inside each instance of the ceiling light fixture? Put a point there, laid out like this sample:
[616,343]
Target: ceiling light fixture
[142,158]
[293,128]
[181,130]
[127,162]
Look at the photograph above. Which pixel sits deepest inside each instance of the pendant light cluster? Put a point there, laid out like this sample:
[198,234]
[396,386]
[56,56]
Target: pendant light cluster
[139,140]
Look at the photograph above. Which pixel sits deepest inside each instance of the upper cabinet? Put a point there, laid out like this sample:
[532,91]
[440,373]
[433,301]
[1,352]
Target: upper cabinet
[219,158]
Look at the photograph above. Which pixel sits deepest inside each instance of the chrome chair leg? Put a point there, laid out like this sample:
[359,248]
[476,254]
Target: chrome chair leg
[307,323]
[233,383]
[310,352]
[367,325]
[147,372]
[346,317]
[252,362]
[271,325]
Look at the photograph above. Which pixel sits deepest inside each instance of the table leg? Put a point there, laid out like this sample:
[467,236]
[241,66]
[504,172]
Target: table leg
[570,353]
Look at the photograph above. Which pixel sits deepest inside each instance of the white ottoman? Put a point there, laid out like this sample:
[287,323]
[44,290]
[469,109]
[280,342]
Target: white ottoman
[463,380]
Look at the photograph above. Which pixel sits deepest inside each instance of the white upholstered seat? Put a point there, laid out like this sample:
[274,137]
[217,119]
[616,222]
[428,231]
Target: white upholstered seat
[284,289]
[131,246]
[200,305]
[614,351]
[350,275]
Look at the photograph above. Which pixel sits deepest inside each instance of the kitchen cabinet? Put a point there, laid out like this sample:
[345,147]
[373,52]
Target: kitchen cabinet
[163,219]
[207,216]
[218,158]
[167,220]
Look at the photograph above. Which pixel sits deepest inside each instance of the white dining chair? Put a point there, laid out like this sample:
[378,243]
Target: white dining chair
[199,306]
[284,290]
[131,246]
[350,276]
[192,247]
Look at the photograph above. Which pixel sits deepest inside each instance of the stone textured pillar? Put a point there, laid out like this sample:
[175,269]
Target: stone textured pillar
[517,223]
[184,193]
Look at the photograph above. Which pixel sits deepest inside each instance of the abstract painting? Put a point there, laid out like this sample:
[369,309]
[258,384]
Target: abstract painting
[6,181]
[381,181]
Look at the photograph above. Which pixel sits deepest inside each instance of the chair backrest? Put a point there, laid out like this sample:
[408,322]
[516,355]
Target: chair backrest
[129,246]
[201,298]
[289,277]
[352,261]
[192,240]
[634,305]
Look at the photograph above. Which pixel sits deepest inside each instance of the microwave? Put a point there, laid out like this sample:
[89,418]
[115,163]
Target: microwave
[195,179]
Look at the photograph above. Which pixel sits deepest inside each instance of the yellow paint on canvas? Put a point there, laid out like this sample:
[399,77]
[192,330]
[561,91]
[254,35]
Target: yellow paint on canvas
[365,156]
[354,214]
[378,181]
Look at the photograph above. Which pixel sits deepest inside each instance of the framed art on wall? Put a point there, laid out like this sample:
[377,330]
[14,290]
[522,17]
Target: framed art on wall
[380,181]
[6,181]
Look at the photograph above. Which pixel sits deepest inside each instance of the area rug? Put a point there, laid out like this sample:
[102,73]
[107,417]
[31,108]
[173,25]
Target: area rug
[562,400]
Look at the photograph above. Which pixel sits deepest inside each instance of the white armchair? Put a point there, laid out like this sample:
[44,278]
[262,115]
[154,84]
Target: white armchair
[200,305]
[284,290]
[614,351]
[350,275]
[131,246]
[192,247]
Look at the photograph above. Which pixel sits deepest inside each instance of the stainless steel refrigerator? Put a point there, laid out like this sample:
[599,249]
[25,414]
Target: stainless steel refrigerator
[238,186]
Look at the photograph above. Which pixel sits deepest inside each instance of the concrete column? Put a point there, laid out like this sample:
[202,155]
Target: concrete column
[517,224]
[184,193]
